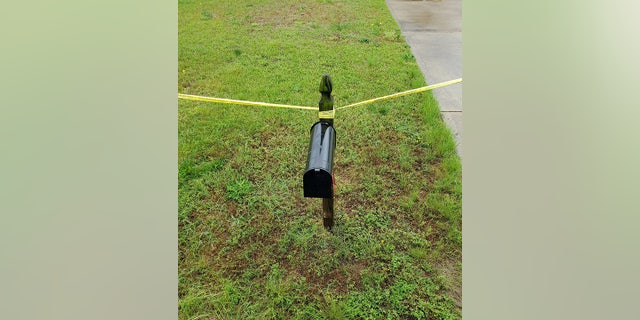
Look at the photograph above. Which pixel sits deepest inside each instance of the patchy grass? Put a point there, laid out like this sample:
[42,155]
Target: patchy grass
[250,245]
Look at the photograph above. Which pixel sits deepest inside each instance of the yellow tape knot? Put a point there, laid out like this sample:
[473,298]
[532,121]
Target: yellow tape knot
[329,114]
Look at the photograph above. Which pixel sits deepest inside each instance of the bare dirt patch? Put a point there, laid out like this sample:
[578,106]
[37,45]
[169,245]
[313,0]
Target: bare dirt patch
[280,15]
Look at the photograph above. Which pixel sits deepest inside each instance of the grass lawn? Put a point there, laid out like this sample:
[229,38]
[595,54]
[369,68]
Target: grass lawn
[250,245]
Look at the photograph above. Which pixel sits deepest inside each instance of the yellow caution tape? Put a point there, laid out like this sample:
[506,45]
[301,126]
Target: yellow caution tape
[321,114]
[241,102]
[403,93]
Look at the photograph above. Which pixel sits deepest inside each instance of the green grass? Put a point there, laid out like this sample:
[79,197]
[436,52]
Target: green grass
[250,245]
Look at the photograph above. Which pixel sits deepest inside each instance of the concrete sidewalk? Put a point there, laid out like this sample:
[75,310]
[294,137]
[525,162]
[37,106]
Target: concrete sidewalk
[433,30]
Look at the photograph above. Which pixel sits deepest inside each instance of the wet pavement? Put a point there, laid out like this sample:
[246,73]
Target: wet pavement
[433,30]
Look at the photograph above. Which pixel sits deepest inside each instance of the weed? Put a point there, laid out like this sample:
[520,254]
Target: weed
[238,189]
[206,15]
[408,56]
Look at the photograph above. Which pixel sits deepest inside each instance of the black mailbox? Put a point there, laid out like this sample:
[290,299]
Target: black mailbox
[318,177]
